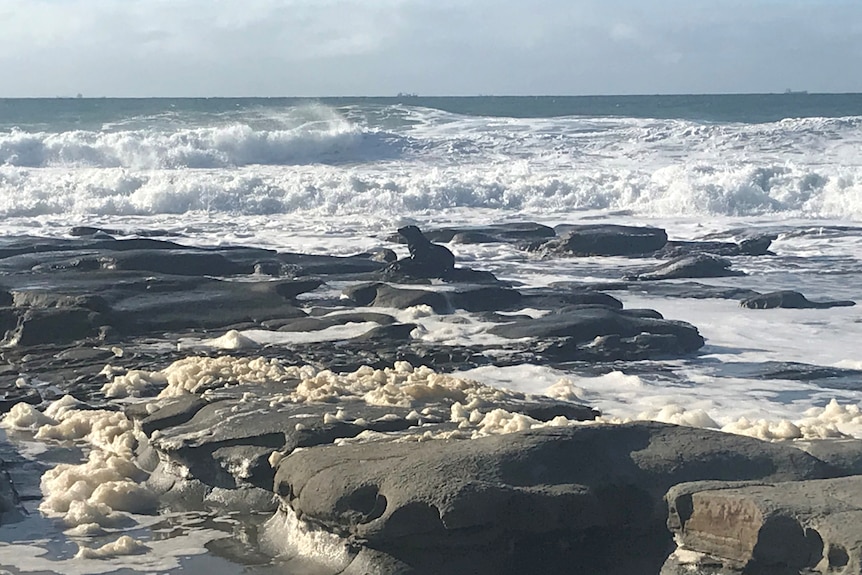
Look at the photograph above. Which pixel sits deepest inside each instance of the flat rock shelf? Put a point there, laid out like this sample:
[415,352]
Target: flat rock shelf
[155,374]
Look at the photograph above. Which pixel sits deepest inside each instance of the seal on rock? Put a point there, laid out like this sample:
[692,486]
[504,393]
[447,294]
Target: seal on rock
[426,259]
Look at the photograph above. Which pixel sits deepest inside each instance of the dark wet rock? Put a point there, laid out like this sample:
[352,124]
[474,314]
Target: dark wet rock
[54,325]
[10,396]
[586,324]
[382,255]
[691,290]
[789,299]
[50,299]
[494,233]
[94,231]
[5,297]
[350,267]
[692,266]
[800,372]
[473,238]
[473,299]
[470,276]
[523,494]
[255,425]
[754,246]
[361,294]
[485,299]
[602,240]
[605,348]
[558,296]
[161,305]
[175,262]
[645,313]
[395,332]
[402,298]
[171,413]
[843,455]
[787,527]
[10,504]
[319,323]
[8,319]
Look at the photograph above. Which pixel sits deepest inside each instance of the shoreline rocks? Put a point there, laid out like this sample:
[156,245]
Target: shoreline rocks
[365,439]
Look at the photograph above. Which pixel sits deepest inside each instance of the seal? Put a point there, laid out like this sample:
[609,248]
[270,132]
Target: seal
[426,259]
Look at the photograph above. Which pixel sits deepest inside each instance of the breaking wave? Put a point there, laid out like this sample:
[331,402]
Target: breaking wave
[685,189]
[374,161]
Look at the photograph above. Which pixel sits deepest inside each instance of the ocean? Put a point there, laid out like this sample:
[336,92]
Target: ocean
[339,175]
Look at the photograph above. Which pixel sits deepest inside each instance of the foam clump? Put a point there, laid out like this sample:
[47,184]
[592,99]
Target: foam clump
[92,492]
[125,545]
[25,416]
[111,431]
[829,422]
[198,374]
[679,415]
[402,385]
[819,423]
[133,384]
[499,421]
[781,430]
[233,340]
[566,390]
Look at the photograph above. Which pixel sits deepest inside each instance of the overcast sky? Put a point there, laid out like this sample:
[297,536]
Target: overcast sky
[431,47]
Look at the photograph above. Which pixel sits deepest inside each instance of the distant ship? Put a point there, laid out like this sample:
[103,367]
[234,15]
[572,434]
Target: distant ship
[796,92]
[407,95]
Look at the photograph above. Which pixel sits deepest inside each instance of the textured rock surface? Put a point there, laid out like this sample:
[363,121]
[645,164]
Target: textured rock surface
[603,240]
[598,488]
[789,299]
[772,528]
[699,265]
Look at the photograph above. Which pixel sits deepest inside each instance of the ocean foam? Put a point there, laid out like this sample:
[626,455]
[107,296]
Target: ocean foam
[25,416]
[125,545]
[652,167]
[197,374]
[133,383]
[287,535]
[94,491]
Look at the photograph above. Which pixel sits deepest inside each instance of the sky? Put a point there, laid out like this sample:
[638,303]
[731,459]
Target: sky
[145,48]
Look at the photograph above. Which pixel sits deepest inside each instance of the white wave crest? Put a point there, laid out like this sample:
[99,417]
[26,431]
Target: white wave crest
[209,147]
[695,189]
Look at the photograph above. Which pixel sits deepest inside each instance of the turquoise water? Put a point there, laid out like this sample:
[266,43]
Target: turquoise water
[60,114]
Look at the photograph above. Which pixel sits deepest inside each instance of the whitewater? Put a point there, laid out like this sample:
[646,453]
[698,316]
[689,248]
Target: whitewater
[339,176]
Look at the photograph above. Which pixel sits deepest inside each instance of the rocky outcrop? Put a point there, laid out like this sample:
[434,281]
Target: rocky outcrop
[789,299]
[602,240]
[583,499]
[700,265]
[595,326]
[754,246]
[513,232]
[787,527]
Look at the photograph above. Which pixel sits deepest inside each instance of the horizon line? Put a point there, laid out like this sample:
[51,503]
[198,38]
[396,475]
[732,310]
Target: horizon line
[412,96]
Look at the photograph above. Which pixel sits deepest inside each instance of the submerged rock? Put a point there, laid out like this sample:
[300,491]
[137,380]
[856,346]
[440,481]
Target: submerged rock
[698,265]
[602,326]
[789,299]
[754,246]
[603,240]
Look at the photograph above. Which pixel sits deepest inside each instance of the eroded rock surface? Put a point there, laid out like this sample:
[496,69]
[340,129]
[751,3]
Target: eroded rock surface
[789,299]
[788,527]
[596,488]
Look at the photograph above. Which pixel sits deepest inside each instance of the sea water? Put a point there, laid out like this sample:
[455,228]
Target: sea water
[338,176]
